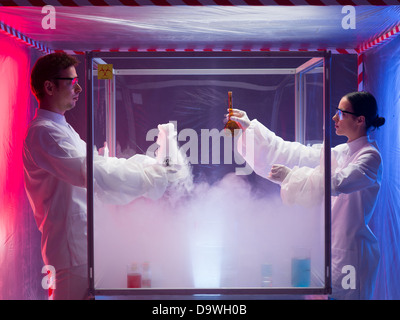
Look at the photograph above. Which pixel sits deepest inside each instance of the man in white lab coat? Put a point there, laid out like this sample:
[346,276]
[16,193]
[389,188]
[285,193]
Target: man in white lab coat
[54,159]
[356,178]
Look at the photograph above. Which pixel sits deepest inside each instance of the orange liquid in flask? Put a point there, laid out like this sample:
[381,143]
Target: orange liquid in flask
[231,125]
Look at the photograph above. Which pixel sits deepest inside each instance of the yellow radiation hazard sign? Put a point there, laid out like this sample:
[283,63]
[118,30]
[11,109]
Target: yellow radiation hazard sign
[105,71]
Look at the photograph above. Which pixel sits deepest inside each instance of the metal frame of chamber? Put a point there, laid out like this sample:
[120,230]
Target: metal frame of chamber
[318,62]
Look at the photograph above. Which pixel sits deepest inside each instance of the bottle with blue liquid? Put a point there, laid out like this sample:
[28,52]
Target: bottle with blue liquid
[301,267]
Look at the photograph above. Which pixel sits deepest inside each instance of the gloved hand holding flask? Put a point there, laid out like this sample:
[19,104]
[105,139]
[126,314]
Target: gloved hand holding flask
[240,117]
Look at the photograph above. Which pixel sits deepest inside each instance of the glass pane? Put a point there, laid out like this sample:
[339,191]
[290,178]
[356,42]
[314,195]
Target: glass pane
[231,229]
[314,95]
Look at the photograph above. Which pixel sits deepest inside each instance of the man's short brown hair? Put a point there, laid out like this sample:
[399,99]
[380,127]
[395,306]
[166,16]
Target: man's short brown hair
[49,67]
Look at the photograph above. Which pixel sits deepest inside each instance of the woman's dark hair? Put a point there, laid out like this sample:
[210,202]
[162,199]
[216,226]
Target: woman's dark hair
[48,67]
[364,104]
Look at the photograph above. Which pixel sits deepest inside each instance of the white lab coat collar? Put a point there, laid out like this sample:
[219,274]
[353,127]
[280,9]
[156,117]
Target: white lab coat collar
[357,144]
[53,116]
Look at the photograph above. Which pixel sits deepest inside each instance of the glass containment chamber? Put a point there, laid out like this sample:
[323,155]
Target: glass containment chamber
[229,232]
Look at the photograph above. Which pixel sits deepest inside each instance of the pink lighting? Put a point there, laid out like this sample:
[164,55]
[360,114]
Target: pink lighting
[14,102]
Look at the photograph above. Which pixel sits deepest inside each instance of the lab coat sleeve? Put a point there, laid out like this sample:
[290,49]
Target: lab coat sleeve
[305,186]
[358,175]
[261,148]
[120,181]
[116,180]
[54,152]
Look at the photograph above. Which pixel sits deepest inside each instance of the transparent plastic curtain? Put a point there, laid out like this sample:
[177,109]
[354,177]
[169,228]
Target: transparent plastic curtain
[217,27]
[20,259]
[382,70]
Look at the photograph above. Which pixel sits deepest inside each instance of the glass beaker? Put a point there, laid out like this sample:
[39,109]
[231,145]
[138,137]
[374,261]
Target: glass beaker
[134,277]
[266,275]
[301,267]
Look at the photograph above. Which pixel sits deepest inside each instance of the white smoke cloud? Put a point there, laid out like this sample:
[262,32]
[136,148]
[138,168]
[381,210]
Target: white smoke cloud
[216,235]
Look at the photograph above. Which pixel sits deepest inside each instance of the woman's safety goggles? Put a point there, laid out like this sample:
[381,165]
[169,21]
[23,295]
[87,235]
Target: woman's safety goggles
[340,112]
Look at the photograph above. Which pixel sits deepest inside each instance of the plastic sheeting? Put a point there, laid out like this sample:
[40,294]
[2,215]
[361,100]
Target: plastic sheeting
[20,259]
[382,69]
[21,282]
[212,27]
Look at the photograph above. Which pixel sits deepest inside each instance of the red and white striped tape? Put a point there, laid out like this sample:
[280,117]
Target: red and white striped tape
[5,29]
[360,72]
[365,47]
[208,49]
[380,40]
[76,3]
[30,42]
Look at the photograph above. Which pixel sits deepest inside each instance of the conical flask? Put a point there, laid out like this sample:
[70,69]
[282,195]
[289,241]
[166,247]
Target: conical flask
[231,125]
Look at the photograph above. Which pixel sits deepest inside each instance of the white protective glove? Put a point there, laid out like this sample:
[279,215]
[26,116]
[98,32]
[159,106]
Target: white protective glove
[240,117]
[167,152]
[169,155]
[278,173]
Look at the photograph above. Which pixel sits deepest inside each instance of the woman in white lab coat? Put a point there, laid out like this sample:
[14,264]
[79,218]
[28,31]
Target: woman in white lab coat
[356,176]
